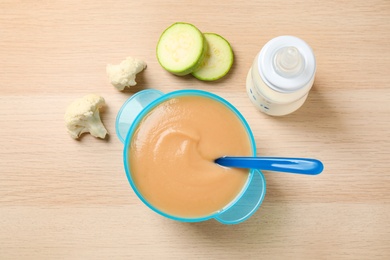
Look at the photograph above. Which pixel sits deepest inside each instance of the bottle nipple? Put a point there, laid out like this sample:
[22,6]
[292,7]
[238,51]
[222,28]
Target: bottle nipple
[288,62]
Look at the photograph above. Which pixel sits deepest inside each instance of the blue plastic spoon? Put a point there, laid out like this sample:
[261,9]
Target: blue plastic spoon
[279,164]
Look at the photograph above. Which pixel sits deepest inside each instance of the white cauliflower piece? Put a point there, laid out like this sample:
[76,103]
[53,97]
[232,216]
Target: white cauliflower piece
[123,74]
[82,116]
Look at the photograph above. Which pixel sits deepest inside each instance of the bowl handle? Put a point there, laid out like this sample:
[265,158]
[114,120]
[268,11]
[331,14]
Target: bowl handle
[249,202]
[131,108]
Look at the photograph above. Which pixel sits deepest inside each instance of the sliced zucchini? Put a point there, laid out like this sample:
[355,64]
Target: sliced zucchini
[181,48]
[218,61]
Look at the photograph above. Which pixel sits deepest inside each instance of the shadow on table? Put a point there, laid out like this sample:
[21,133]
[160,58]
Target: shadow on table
[317,113]
[240,239]
[263,225]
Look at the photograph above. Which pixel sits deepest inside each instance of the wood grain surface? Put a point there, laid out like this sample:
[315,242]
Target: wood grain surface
[67,199]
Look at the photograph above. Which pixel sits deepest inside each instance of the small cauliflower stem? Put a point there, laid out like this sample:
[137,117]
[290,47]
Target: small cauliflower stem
[82,116]
[93,125]
[123,75]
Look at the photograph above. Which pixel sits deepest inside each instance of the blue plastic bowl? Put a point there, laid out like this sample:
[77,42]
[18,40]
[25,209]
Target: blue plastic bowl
[139,105]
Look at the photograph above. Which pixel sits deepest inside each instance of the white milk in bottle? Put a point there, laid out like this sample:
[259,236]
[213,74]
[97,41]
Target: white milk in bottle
[281,76]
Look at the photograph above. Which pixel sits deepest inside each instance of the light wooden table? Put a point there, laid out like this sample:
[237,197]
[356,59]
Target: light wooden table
[66,199]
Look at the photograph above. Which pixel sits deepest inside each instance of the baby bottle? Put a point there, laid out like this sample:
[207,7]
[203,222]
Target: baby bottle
[281,76]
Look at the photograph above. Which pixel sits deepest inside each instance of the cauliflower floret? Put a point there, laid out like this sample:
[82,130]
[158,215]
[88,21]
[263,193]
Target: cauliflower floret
[123,74]
[82,116]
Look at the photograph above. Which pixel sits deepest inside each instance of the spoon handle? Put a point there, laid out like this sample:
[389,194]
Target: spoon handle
[280,164]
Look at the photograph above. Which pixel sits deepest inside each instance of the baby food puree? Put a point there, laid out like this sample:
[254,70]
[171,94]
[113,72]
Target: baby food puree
[172,153]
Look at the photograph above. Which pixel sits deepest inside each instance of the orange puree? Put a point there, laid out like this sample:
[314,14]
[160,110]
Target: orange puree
[172,156]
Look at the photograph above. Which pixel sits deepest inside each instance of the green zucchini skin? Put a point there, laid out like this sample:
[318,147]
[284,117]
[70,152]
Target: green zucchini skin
[164,56]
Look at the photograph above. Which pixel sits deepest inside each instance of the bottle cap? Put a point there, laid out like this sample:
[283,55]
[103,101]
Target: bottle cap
[286,64]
